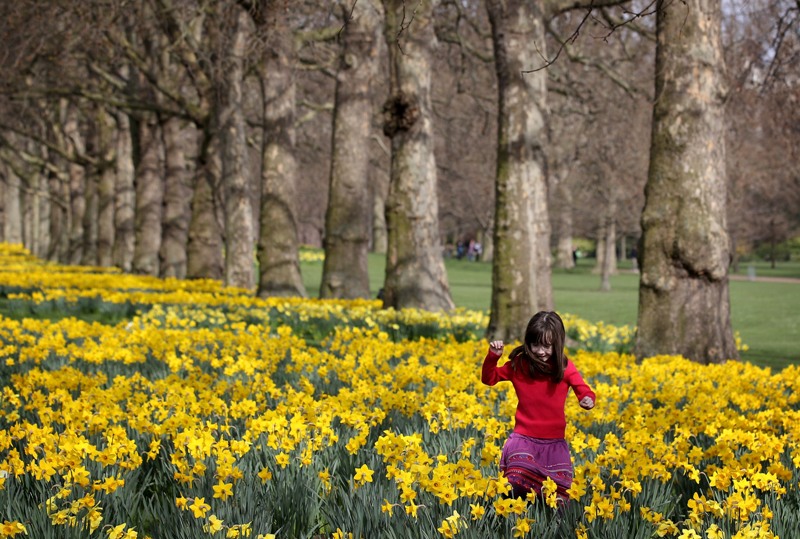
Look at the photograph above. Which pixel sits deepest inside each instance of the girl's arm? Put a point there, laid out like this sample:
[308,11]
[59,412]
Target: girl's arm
[584,393]
[491,373]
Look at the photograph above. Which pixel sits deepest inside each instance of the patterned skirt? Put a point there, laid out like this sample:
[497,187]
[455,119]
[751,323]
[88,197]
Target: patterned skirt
[527,462]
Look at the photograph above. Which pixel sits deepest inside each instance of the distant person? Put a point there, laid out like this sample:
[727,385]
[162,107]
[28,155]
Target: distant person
[461,249]
[542,377]
[635,259]
[575,257]
[478,249]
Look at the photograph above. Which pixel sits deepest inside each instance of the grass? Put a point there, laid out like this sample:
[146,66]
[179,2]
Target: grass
[765,314]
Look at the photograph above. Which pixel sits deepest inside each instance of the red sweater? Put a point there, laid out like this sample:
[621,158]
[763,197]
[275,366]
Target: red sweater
[540,412]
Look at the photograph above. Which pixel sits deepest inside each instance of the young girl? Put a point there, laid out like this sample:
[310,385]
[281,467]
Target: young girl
[542,376]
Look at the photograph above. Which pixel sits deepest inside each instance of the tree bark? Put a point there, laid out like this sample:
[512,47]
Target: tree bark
[149,197]
[565,257]
[599,249]
[58,190]
[124,196]
[415,272]
[684,305]
[3,180]
[278,253]
[90,217]
[31,206]
[12,229]
[177,197]
[106,188]
[380,189]
[346,242]
[239,223]
[204,252]
[77,185]
[521,282]
[609,265]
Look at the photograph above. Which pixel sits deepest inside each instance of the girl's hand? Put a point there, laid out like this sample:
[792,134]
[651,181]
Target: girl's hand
[587,402]
[496,347]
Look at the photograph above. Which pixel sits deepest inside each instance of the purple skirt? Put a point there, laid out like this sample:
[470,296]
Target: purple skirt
[527,462]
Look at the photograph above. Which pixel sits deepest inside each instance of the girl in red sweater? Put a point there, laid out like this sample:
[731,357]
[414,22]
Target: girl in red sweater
[542,376]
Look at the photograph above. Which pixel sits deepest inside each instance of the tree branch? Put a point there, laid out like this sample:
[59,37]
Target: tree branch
[126,103]
[613,23]
[557,7]
[456,39]
[71,156]
[602,67]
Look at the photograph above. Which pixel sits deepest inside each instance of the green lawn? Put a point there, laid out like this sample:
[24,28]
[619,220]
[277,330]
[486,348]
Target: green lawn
[766,314]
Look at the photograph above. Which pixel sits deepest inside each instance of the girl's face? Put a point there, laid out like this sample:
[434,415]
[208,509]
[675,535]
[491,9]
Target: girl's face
[543,352]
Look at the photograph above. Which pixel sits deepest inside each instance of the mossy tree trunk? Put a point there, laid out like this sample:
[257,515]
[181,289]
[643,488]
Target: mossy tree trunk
[278,251]
[91,215]
[204,251]
[106,144]
[415,272]
[12,207]
[239,219]
[684,305]
[347,230]
[124,196]
[149,196]
[521,282]
[178,138]
[77,182]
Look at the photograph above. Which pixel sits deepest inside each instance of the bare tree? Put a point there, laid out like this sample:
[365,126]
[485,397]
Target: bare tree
[106,188]
[346,241]
[239,219]
[521,282]
[684,305]
[278,249]
[124,196]
[149,183]
[415,272]
[762,51]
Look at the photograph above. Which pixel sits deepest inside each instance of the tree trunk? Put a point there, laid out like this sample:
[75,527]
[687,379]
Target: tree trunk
[278,252]
[684,305]
[12,229]
[77,185]
[30,213]
[415,272]
[609,266]
[600,249]
[149,198]
[90,217]
[380,190]
[3,181]
[344,273]
[521,282]
[106,188]
[177,197]
[239,222]
[204,252]
[124,197]
[565,257]
[58,188]
[40,206]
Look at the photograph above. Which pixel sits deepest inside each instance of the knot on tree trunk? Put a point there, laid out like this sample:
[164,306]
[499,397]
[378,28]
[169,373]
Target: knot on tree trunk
[400,112]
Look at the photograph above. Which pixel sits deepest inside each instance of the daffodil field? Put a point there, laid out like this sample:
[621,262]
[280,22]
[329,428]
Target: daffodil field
[193,410]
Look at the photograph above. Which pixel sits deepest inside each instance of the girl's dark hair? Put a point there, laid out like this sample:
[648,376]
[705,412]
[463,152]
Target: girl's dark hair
[544,328]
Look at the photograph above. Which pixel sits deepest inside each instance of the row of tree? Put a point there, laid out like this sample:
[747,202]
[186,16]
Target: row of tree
[164,137]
